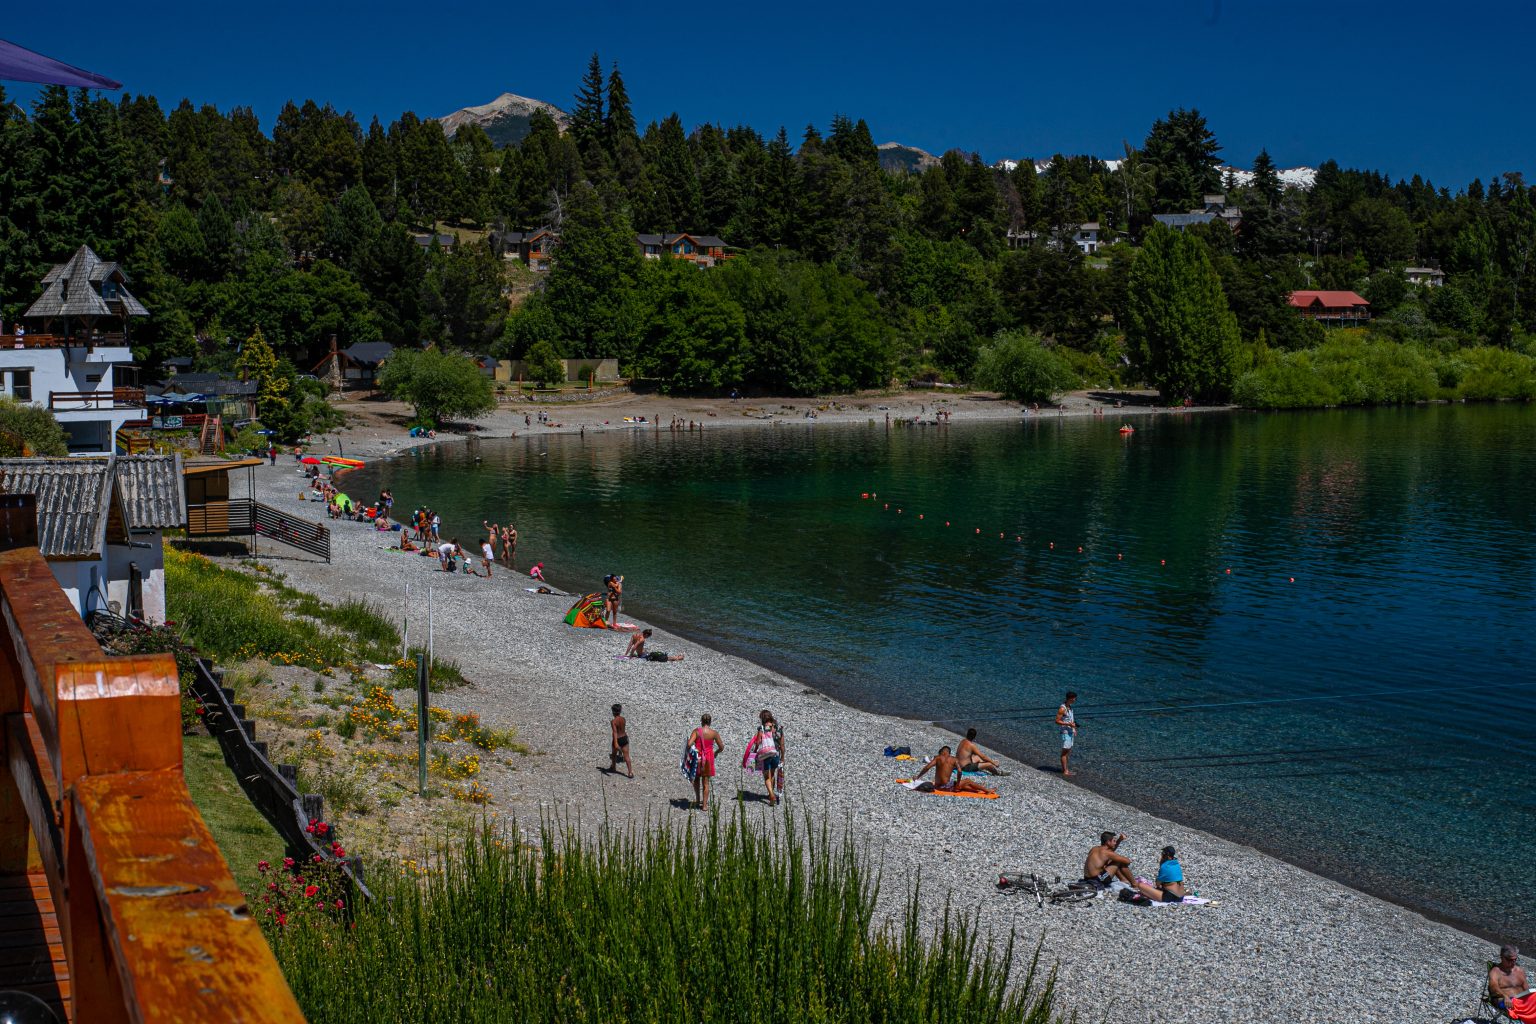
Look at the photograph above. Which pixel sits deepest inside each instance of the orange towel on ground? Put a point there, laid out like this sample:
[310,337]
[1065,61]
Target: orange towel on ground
[950,792]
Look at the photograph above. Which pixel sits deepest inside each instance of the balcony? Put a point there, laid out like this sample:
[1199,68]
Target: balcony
[111,339]
[95,401]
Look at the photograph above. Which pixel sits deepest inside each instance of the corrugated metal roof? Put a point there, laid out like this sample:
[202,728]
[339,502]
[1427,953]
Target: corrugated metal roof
[73,499]
[151,490]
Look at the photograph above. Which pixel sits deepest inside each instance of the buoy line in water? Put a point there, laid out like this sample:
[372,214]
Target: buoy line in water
[1126,709]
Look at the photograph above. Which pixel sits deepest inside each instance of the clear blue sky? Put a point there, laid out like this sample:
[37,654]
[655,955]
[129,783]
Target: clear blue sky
[1404,86]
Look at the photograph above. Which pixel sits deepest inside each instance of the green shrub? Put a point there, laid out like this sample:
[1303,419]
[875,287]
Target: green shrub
[1020,367]
[658,925]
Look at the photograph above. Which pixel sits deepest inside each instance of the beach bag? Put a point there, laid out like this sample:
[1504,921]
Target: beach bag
[690,762]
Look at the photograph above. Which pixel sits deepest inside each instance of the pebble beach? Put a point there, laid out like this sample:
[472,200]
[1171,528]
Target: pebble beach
[1278,944]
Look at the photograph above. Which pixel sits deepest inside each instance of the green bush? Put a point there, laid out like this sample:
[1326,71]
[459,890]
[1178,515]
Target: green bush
[1020,367]
[733,924]
[31,424]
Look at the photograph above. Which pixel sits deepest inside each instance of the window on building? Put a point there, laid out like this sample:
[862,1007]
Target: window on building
[21,385]
[93,378]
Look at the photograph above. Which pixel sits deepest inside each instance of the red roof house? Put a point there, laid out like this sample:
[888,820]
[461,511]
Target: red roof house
[1331,307]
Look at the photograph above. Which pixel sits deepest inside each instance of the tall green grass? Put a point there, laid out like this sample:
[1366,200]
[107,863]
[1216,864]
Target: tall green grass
[229,614]
[729,924]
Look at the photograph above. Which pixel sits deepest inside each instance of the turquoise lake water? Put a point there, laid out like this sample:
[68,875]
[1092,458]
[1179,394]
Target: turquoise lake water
[1355,695]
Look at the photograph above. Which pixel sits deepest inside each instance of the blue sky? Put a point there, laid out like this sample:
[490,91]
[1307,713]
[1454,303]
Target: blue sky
[1430,87]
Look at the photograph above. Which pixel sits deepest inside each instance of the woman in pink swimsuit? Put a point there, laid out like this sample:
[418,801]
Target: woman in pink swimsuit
[707,742]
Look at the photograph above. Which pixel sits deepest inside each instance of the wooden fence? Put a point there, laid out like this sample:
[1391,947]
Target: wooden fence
[119,906]
[272,789]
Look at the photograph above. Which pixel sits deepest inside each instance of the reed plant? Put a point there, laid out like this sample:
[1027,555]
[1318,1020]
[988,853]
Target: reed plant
[724,923]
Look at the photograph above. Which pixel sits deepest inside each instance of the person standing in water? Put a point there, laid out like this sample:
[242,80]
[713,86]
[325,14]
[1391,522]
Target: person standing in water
[1068,724]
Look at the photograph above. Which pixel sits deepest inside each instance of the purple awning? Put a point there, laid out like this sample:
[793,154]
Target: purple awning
[18,64]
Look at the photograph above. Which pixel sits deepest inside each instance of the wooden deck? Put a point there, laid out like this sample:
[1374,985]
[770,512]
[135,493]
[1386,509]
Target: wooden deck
[31,947]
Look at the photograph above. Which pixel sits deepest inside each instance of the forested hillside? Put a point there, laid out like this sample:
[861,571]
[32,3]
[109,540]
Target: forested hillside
[845,276]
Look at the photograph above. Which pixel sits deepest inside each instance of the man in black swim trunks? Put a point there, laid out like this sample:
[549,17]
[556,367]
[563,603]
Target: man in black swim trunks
[618,742]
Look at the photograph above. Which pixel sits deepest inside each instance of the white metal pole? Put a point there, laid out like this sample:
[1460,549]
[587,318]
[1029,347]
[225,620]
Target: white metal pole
[405,624]
[429,628]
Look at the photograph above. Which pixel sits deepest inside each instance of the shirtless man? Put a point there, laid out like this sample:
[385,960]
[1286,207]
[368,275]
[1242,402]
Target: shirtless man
[636,649]
[947,777]
[1507,981]
[1107,868]
[972,759]
[618,742]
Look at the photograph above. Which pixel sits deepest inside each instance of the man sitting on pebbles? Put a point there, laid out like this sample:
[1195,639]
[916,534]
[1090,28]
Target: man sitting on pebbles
[947,777]
[1107,868]
[636,649]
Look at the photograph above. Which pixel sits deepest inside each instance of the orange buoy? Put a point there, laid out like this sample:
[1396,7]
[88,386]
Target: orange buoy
[1162,561]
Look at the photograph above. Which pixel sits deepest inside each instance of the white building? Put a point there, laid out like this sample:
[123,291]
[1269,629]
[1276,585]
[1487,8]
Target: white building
[64,354]
[1429,277]
[99,526]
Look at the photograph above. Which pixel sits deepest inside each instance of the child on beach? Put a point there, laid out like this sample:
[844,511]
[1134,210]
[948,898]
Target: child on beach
[618,742]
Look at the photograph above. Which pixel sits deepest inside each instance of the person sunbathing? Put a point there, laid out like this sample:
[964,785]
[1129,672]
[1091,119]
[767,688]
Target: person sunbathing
[1506,979]
[972,759]
[1170,887]
[947,777]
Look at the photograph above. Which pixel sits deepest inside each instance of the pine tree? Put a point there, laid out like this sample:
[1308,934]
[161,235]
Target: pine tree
[587,124]
[258,362]
[1181,333]
[619,134]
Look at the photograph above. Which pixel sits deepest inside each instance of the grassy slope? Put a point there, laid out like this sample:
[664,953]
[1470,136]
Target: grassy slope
[243,835]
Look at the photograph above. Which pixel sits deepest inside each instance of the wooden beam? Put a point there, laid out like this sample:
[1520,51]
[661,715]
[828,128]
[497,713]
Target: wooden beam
[185,944]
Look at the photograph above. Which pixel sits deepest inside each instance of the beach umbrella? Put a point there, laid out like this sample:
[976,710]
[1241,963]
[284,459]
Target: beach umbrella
[19,64]
[310,460]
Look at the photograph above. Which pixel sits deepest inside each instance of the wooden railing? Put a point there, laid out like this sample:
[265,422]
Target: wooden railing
[137,916]
[243,517]
[80,401]
[29,340]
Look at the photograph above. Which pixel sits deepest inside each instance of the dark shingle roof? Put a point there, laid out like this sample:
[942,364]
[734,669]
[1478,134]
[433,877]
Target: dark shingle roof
[73,288]
[1183,220]
[370,352]
[151,491]
[74,498]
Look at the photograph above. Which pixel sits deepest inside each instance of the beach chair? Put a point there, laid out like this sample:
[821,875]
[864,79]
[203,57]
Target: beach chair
[1486,1008]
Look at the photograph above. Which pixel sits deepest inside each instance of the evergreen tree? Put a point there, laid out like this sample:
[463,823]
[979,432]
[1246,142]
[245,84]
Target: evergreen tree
[1181,334]
[595,264]
[587,122]
[1184,151]
[258,362]
[619,134]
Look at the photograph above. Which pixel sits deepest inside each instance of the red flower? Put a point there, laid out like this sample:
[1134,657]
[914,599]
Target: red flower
[339,904]
[272,886]
[262,866]
[310,890]
[317,858]
[322,828]
[320,904]
[282,918]
[288,862]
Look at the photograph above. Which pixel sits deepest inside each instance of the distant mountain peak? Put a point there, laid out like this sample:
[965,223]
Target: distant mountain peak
[895,156]
[504,119]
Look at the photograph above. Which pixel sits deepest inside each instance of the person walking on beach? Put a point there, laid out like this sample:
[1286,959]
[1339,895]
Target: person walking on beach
[618,742]
[766,753]
[487,556]
[1067,722]
[972,759]
[708,743]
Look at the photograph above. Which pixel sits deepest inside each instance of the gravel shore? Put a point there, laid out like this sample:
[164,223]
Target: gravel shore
[1280,945]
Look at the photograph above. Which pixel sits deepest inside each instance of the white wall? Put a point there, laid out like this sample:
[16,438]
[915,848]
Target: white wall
[74,578]
[151,563]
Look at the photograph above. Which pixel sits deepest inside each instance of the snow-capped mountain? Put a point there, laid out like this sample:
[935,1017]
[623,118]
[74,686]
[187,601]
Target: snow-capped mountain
[1290,177]
[505,119]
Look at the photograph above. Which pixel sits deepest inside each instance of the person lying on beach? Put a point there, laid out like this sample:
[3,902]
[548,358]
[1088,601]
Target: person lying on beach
[946,774]
[972,759]
[618,742]
[636,649]
[1506,979]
